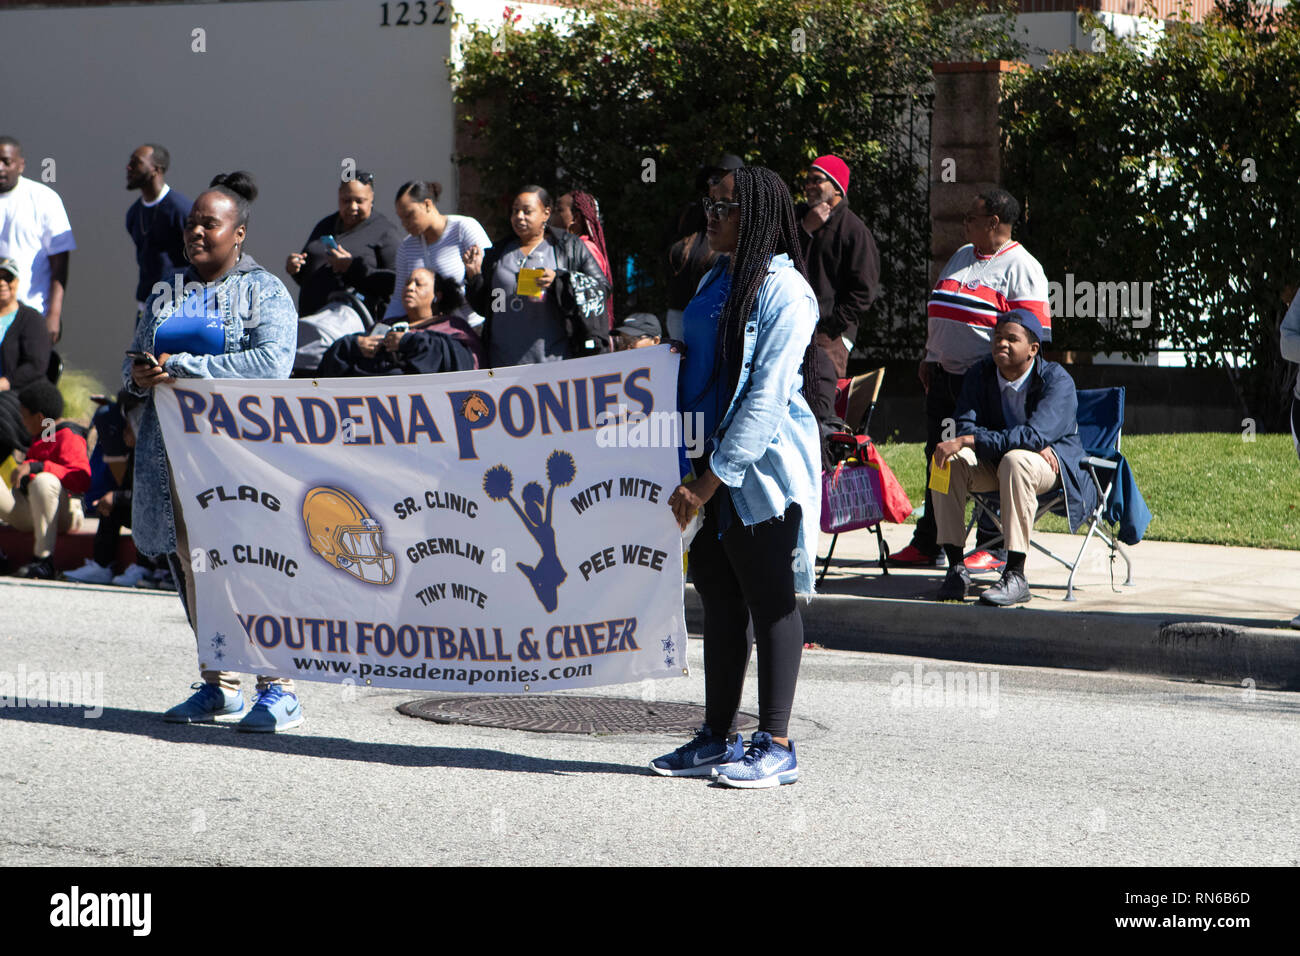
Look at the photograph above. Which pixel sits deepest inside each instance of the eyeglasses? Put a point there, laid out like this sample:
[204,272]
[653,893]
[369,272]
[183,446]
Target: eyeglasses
[719,209]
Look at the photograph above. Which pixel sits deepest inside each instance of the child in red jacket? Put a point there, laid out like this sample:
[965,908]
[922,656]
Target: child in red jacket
[55,468]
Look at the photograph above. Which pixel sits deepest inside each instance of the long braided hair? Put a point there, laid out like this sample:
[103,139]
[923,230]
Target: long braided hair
[767,228]
[587,214]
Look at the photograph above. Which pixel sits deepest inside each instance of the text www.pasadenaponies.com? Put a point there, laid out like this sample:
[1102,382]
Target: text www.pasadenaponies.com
[466,675]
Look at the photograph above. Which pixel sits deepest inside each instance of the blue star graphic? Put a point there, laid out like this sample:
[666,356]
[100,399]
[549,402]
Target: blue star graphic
[668,661]
[218,640]
[667,643]
[220,655]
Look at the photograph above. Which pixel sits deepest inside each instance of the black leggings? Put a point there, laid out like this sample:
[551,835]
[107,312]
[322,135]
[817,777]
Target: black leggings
[749,574]
[110,527]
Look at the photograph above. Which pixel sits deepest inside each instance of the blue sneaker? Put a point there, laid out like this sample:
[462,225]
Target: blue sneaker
[208,703]
[275,709]
[699,757]
[765,764]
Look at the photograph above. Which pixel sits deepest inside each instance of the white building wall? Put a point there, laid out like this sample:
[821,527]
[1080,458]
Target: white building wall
[287,90]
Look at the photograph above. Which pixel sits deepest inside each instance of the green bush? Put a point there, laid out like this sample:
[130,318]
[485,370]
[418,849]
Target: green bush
[1172,164]
[627,100]
[76,388]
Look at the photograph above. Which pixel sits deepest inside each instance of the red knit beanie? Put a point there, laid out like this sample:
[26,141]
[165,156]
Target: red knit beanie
[835,168]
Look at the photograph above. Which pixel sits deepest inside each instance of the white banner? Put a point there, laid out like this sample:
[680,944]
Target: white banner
[485,531]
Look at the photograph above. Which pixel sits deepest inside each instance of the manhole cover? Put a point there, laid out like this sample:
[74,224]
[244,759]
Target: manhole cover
[567,715]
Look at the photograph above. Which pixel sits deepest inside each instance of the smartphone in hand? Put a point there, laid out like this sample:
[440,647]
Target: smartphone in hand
[330,243]
[143,359]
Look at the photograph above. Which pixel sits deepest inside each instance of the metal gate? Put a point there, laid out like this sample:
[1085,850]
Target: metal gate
[895,204]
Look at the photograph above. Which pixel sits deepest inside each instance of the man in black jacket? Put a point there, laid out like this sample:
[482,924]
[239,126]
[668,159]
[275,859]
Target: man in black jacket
[841,257]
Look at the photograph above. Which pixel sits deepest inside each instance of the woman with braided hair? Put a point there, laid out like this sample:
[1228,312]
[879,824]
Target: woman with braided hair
[748,364]
[578,213]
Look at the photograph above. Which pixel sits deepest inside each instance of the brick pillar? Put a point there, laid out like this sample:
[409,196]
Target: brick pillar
[965,148]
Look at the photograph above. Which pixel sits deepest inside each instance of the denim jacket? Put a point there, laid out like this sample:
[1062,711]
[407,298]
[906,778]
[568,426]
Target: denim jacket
[261,329]
[767,449]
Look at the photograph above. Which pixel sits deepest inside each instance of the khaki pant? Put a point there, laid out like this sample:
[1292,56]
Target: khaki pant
[45,510]
[1019,479]
[228,680]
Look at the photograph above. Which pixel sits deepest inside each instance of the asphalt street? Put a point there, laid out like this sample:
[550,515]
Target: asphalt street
[1008,765]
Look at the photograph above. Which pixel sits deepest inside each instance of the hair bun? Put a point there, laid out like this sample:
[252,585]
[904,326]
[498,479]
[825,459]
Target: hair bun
[240,182]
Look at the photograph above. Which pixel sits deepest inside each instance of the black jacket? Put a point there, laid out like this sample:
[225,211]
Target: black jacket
[579,292]
[373,244]
[25,351]
[421,352]
[843,269]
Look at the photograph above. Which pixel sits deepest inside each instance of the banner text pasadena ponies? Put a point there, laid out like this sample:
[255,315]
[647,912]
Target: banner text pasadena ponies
[546,408]
[434,532]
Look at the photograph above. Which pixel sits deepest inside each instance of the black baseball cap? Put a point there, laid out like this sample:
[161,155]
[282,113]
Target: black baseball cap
[638,324]
[726,163]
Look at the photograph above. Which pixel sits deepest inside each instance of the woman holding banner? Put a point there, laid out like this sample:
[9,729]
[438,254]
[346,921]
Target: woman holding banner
[748,365]
[234,320]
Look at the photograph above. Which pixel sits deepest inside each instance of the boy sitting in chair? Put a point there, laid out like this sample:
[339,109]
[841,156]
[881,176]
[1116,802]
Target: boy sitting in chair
[1017,435]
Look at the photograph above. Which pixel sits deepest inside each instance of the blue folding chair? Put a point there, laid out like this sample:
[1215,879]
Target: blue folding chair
[1101,425]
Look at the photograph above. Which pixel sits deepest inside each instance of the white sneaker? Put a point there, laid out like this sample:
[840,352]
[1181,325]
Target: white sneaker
[131,577]
[91,573]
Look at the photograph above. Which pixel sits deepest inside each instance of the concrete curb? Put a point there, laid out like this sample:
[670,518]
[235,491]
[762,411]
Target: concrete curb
[1165,645]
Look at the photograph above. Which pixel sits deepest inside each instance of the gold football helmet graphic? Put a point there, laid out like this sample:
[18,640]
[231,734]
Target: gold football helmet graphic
[342,532]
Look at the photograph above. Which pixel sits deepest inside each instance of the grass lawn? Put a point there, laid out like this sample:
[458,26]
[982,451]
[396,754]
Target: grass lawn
[1211,487]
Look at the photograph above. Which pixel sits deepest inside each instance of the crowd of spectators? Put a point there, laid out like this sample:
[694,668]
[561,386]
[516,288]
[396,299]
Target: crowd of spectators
[446,297]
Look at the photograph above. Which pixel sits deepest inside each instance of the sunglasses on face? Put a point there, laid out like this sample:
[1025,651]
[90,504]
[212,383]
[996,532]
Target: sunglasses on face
[719,209]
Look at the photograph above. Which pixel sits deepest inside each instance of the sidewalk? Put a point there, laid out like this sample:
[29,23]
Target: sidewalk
[1195,611]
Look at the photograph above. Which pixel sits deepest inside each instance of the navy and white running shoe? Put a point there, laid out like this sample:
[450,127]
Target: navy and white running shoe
[701,756]
[765,764]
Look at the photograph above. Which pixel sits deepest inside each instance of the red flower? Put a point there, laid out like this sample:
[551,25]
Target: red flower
[605,58]
[509,10]
[518,17]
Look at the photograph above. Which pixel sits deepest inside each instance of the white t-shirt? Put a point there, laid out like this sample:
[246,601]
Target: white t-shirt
[442,258]
[971,291]
[33,227]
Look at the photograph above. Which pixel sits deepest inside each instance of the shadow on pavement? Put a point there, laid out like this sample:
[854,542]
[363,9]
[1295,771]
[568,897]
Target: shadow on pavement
[149,724]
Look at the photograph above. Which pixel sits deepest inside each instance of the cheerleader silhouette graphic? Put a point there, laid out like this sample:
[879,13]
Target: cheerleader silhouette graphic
[548,574]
